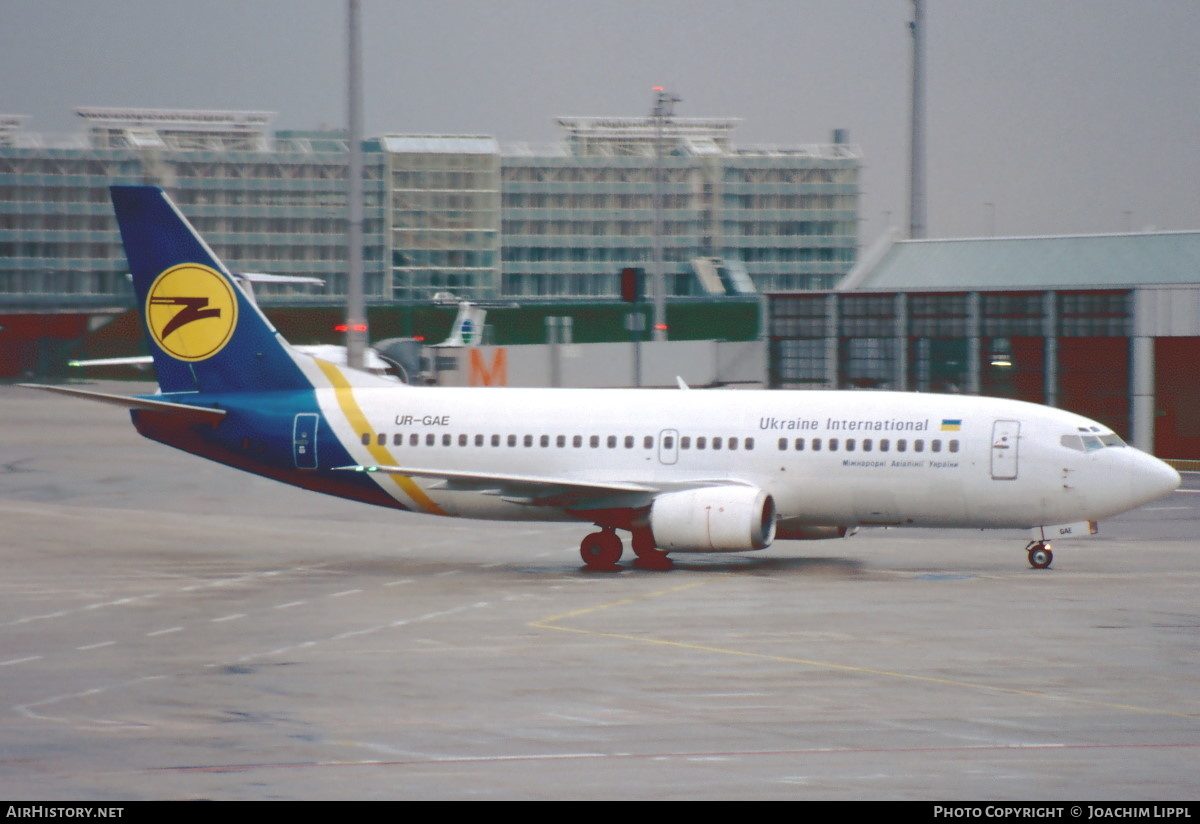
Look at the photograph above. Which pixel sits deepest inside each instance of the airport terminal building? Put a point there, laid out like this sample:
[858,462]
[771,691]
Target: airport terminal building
[1106,325]
[455,213]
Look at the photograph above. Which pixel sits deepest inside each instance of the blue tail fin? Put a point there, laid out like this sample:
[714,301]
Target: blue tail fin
[205,335]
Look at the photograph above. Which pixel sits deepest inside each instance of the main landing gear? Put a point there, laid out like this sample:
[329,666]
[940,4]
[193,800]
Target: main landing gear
[648,555]
[1040,555]
[601,551]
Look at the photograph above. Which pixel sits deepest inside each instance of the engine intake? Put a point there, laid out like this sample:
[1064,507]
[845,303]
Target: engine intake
[713,519]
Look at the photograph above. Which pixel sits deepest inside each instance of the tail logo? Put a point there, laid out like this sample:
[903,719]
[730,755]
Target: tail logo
[191,312]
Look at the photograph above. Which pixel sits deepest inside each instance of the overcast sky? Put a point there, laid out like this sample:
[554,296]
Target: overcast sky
[1071,116]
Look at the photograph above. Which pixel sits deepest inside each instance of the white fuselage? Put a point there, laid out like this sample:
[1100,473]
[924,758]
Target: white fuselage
[826,457]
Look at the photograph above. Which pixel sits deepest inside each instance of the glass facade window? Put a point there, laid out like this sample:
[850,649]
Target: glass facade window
[455,214]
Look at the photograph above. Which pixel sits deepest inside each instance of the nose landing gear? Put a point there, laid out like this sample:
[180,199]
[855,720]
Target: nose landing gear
[1040,556]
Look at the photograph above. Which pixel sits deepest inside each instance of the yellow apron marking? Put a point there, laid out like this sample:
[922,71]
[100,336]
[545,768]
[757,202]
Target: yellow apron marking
[358,421]
[551,622]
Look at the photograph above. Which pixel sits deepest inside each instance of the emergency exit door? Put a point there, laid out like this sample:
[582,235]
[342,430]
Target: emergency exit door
[668,446]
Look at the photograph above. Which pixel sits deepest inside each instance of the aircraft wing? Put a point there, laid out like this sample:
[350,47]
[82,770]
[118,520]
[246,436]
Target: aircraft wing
[538,490]
[194,414]
[532,490]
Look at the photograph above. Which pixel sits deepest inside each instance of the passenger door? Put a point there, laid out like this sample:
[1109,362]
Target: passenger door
[1006,437]
[304,440]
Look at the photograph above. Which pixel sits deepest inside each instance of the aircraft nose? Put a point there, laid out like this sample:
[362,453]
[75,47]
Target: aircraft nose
[1152,479]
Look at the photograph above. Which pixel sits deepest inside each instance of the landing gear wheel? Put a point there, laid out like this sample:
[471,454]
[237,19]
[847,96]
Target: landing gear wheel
[648,555]
[1040,555]
[601,550]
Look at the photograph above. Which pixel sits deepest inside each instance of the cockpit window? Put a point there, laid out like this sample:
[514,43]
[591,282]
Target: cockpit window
[1090,443]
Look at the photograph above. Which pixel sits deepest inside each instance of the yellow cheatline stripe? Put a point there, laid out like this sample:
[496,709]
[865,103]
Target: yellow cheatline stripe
[551,622]
[358,422]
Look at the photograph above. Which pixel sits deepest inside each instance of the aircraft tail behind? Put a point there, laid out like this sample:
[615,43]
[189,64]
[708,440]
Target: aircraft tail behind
[205,335]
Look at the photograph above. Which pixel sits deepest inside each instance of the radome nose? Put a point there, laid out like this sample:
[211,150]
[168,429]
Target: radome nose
[1152,479]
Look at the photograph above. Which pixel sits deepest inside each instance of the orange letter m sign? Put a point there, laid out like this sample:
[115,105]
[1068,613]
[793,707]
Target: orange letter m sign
[481,375]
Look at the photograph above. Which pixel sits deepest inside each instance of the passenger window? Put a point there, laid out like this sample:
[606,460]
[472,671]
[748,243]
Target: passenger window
[733,443]
[685,442]
[479,440]
[953,446]
[866,444]
[560,441]
[749,444]
[398,439]
[577,441]
[612,441]
[716,443]
[430,439]
[800,445]
[495,440]
[816,444]
[381,439]
[528,441]
[648,442]
[668,442]
[512,440]
[701,442]
[884,444]
[783,444]
[901,445]
[918,445]
[366,438]
[935,446]
[462,440]
[446,439]
[544,441]
[629,442]
[594,441]
[849,444]
[414,439]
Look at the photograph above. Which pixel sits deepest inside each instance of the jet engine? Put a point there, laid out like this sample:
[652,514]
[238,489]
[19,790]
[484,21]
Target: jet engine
[713,519]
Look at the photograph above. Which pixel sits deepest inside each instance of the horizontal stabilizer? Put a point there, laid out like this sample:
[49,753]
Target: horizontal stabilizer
[195,414]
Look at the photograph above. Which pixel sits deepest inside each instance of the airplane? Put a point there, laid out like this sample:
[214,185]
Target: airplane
[679,470]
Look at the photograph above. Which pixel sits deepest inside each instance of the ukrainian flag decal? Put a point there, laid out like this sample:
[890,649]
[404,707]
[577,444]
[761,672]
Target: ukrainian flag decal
[951,424]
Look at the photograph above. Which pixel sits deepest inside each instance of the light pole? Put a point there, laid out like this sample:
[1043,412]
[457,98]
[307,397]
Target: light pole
[664,108]
[356,311]
[916,169]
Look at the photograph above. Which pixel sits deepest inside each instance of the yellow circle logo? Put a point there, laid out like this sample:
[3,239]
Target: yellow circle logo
[191,311]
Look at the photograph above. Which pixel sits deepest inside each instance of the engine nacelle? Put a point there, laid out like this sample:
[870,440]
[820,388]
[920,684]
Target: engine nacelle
[713,519]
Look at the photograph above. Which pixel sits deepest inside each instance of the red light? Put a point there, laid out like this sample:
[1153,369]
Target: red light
[656,89]
[420,338]
[358,327]
[662,326]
